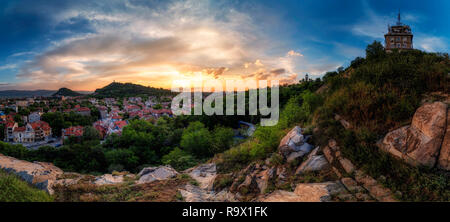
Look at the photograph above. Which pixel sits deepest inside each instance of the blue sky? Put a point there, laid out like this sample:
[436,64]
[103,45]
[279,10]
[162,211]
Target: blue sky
[48,44]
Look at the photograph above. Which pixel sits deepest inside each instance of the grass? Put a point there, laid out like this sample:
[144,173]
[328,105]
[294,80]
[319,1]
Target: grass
[13,189]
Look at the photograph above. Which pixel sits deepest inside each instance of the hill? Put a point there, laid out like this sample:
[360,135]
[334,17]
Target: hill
[116,89]
[25,93]
[66,92]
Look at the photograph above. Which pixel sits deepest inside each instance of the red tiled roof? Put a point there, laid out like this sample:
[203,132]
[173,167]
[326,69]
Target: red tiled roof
[74,131]
[10,124]
[40,124]
[120,124]
[83,109]
[20,129]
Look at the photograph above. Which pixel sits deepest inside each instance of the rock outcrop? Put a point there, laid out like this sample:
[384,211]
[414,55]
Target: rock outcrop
[314,162]
[150,174]
[205,175]
[444,156]
[192,193]
[293,146]
[421,142]
[307,192]
[41,175]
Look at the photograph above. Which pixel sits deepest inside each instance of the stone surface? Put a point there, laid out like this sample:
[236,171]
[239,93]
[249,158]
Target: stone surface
[419,143]
[343,122]
[293,145]
[192,193]
[150,174]
[444,156]
[41,175]
[205,175]
[318,192]
[313,163]
[306,192]
[108,179]
[347,165]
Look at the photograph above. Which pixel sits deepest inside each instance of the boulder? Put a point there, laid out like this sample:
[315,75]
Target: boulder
[419,143]
[41,175]
[108,179]
[313,163]
[263,178]
[150,174]
[291,142]
[204,174]
[282,196]
[444,156]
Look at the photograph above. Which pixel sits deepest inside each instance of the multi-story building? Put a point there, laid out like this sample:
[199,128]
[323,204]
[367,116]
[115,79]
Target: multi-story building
[399,37]
[34,117]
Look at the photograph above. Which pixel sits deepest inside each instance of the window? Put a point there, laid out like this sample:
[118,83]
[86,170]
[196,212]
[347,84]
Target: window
[399,45]
[404,45]
[398,39]
[392,45]
[405,39]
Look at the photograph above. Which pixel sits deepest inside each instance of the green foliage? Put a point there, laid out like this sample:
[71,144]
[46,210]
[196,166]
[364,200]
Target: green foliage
[197,140]
[375,51]
[13,189]
[59,121]
[66,92]
[179,159]
[120,90]
[90,133]
[122,157]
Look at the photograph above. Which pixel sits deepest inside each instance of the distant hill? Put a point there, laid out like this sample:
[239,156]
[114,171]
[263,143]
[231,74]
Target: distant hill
[116,89]
[66,92]
[25,93]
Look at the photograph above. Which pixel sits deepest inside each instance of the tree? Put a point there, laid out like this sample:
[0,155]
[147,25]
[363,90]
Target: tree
[90,133]
[375,51]
[179,159]
[197,139]
[222,139]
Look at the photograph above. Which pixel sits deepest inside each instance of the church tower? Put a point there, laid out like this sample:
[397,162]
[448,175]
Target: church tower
[399,36]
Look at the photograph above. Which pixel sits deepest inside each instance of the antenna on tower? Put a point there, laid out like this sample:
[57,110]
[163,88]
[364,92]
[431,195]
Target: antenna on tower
[399,18]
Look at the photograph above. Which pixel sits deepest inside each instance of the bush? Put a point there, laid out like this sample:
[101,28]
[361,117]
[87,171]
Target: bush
[13,189]
[179,159]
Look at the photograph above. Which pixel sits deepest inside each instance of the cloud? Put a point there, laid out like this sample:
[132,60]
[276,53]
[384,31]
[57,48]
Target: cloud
[293,53]
[432,43]
[8,66]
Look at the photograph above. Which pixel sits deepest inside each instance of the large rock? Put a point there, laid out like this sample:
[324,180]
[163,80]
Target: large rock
[444,156]
[109,179]
[205,175]
[41,175]
[419,143]
[150,174]
[313,163]
[293,145]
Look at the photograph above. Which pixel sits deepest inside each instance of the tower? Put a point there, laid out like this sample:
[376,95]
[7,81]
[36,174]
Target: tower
[399,36]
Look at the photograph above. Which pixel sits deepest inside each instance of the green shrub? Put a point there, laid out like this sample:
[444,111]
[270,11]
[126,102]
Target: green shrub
[13,189]
[179,159]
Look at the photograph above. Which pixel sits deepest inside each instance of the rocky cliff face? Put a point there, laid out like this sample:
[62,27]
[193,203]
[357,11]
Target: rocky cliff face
[426,141]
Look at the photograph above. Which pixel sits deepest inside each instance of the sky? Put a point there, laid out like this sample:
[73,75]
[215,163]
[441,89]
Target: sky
[85,45]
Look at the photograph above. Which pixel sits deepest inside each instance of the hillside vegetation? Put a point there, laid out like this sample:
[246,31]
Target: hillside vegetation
[116,90]
[375,94]
[66,92]
[13,189]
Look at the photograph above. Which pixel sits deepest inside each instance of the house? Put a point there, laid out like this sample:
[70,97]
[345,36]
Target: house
[22,103]
[117,127]
[399,37]
[84,111]
[74,131]
[42,130]
[34,117]
[103,112]
[132,108]
[101,127]
[9,130]
[24,134]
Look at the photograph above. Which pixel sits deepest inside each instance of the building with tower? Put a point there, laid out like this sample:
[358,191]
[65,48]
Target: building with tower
[399,36]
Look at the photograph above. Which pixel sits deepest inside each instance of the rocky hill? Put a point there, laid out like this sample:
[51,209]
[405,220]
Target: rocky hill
[66,92]
[117,89]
